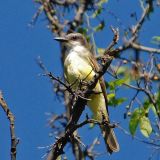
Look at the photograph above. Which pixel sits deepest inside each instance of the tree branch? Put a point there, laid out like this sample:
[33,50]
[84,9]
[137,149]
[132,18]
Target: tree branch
[138,26]
[144,48]
[10,116]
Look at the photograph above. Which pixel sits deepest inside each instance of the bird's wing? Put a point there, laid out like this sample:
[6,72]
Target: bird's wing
[108,133]
[95,66]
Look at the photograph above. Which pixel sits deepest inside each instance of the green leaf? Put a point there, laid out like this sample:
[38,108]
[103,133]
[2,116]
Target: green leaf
[139,118]
[145,126]
[111,85]
[97,12]
[113,101]
[119,101]
[100,26]
[153,109]
[134,121]
[116,102]
[119,82]
[148,105]
[110,96]
[82,30]
[115,83]
[156,40]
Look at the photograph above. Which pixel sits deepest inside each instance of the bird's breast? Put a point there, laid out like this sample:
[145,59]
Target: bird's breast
[77,67]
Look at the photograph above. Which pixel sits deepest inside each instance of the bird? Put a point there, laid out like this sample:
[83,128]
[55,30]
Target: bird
[81,66]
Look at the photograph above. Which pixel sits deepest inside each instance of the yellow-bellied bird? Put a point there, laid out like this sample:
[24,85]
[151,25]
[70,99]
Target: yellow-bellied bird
[80,65]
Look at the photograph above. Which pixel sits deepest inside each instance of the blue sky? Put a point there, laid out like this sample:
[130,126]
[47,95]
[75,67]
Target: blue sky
[30,96]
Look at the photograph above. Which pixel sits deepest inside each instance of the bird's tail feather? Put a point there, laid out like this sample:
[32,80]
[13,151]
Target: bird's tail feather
[110,139]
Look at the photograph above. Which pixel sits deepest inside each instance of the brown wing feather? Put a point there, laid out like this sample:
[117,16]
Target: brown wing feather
[108,133]
[95,66]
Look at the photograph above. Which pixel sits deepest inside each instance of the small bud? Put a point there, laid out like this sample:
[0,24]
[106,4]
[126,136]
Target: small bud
[158,67]
[155,77]
[125,61]
[129,114]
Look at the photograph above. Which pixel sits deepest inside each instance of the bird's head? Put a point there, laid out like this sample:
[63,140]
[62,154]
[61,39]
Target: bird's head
[73,39]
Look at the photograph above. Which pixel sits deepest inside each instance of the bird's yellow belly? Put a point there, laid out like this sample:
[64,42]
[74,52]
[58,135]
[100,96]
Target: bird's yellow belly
[78,70]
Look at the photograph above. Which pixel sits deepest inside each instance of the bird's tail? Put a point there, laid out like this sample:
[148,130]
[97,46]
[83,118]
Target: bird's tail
[110,139]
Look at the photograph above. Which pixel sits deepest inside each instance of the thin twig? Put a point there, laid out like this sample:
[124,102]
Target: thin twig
[36,15]
[10,116]
[144,48]
[115,38]
[138,26]
[53,78]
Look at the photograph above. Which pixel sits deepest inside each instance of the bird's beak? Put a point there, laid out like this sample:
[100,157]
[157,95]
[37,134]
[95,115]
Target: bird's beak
[61,39]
